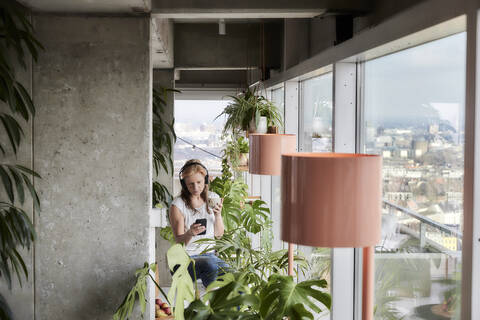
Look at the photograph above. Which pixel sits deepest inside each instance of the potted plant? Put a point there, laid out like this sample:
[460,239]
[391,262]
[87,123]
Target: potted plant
[236,152]
[244,111]
[270,111]
[243,149]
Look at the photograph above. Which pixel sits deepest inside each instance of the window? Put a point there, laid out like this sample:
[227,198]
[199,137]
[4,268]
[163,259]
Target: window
[315,135]
[414,117]
[278,98]
[199,135]
[316,116]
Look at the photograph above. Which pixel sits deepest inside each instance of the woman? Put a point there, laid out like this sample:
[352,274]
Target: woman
[186,209]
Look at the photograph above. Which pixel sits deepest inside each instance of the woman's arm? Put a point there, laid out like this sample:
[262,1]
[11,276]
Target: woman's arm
[218,228]
[178,227]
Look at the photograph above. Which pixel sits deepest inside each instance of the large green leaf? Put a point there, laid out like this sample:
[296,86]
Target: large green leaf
[227,298]
[138,291]
[256,216]
[182,284]
[282,297]
[167,234]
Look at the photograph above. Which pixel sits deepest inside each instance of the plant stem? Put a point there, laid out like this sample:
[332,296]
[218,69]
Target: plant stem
[159,288]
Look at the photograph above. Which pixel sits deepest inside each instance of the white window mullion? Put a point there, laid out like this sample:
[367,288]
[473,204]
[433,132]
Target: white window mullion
[291,114]
[344,138]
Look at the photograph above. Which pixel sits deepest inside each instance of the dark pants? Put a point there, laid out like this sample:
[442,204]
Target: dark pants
[207,267]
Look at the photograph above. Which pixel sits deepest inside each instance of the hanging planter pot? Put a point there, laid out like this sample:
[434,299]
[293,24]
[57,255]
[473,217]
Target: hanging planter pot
[272,130]
[243,160]
[262,125]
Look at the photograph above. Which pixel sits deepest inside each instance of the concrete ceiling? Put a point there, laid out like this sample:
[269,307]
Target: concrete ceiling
[88,6]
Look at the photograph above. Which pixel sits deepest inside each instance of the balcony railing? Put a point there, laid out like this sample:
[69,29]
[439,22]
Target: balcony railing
[430,233]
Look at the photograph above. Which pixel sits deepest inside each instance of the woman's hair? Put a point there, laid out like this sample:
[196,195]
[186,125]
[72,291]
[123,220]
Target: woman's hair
[188,171]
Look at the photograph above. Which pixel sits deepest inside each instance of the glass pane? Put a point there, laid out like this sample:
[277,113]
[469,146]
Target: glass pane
[414,117]
[316,135]
[278,98]
[199,135]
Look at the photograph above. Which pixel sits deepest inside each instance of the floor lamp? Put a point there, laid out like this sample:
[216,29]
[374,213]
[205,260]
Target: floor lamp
[265,159]
[334,200]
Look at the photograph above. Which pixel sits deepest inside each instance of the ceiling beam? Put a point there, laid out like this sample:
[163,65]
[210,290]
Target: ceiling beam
[234,9]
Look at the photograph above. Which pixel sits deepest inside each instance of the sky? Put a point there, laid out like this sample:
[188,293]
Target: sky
[408,85]
[198,112]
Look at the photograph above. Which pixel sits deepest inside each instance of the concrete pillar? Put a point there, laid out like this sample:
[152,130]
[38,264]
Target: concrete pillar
[92,141]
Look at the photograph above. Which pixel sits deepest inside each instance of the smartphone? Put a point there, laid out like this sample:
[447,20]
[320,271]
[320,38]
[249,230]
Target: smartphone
[203,222]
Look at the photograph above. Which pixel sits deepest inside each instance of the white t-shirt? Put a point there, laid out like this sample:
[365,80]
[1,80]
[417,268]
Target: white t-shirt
[189,217]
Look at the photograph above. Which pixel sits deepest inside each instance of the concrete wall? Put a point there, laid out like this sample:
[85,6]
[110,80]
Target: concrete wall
[200,45]
[91,142]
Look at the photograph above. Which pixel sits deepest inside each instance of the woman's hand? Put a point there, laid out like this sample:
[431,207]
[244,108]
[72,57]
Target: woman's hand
[195,229]
[217,210]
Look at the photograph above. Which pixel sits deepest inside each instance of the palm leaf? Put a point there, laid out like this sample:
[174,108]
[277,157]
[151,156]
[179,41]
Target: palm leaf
[5,312]
[16,229]
[13,129]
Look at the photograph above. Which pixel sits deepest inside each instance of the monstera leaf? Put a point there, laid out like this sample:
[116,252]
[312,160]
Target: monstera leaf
[228,298]
[182,284]
[282,297]
[255,216]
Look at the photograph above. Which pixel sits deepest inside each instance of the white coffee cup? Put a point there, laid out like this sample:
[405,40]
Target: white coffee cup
[212,202]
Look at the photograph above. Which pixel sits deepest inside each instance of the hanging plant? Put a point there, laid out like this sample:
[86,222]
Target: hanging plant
[243,112]
[164,138]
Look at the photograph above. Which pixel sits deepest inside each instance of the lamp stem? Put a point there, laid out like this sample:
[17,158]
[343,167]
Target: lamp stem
[367,283]
[290,259]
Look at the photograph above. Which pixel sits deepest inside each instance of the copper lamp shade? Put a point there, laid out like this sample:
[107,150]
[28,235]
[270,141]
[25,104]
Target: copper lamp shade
[331,199]
[266,151]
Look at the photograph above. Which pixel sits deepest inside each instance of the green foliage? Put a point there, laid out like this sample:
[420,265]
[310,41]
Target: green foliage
[139,291]
[16,33]
[234,149]
[16,230]
[283,297]
[321,264]
[256,216]
[182,284]
[228,298]
[239,295]
[167,234]
[234,193]
[161,197]
[5,312]
[267,109]
[163,140]
[245,108]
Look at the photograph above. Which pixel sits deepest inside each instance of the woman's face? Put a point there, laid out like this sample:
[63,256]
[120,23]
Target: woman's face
[195,183]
